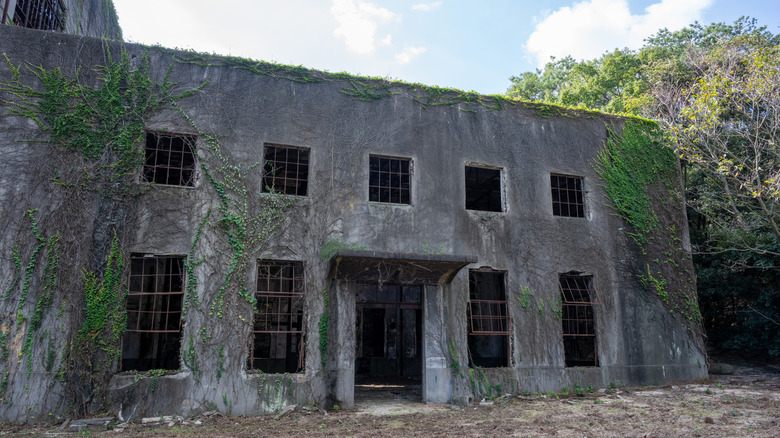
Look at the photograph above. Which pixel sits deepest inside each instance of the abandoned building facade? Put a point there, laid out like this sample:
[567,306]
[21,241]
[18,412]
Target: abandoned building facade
[290,233]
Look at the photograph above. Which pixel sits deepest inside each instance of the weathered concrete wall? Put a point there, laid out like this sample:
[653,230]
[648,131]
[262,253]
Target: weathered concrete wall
[639,341]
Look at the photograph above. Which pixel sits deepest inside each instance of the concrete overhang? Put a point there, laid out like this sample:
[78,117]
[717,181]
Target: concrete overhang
[392,267]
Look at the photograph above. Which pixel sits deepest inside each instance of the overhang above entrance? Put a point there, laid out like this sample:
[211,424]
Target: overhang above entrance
[393,267]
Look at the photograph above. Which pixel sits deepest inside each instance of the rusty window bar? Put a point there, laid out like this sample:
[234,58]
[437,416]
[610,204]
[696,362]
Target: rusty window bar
[389,180]
[169,159]
[285,170]
[39,14]
[156,293]
[567,199]
[488,317]
[578,290]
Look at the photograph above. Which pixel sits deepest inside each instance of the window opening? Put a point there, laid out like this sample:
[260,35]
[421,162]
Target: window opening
[277,345]
[389,180]
[567,196]
[489,323]
[286,170]
[483,189]
[154,300]
[579,331]
[37,14]
[169,159]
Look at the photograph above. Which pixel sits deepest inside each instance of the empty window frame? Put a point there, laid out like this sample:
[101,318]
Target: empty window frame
[170,159]
[37,14]
[389,180]
[154,300]
[285,170]
[277,345]
[579,329]
[567,199]
[483,189]
[488,317]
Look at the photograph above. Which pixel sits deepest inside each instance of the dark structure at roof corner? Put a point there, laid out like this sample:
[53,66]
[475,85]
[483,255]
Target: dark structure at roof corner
[395,267]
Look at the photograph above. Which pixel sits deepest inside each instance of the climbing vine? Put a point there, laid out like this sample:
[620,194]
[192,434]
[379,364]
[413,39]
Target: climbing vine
[639,175]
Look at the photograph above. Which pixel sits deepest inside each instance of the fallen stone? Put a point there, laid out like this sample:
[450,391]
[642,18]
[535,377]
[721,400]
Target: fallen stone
[285,411]
[90,424]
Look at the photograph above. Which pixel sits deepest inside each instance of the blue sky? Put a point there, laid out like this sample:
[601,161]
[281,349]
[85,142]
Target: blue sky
[466,44]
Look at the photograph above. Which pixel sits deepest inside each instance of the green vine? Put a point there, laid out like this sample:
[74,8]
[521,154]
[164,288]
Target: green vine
[323,329]
[189,268]
[631,162]
[28,272]
[105,316]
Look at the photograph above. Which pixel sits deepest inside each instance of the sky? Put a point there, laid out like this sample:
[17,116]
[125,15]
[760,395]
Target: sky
[465,44]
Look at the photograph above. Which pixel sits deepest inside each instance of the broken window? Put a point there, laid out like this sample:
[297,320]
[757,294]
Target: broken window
[169,159]
[38,14]
[277,346]
[483,189]
[389,180]
[488,315]
[286,170]
[579,331]
[567,196]
[154,301]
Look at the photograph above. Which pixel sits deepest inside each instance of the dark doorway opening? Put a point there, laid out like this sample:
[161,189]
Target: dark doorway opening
[389,341]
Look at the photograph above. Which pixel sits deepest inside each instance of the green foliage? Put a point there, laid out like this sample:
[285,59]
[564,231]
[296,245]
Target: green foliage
[526,297]
[189,267]
[657,283]
[105,317]
[332,246]
[30,268]
[630,163]
[323,328]
[455,360]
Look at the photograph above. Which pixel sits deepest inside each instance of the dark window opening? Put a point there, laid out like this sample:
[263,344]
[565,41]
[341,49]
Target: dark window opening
[579,331]
[169,159]
[277,344]
[38,14]
[286,170]
[567,196]
[389,180]
[154,300]
[489,322]
[483,189]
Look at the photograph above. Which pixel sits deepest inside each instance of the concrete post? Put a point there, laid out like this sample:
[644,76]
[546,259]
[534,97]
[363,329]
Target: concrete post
[437,384]
[343,339]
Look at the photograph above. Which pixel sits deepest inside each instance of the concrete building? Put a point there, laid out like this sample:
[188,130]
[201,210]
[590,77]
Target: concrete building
[288,234]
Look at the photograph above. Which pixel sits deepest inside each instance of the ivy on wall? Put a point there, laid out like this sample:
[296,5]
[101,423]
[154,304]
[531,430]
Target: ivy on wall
[641,177]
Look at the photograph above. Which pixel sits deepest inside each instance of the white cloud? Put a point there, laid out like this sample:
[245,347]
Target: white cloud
[426,6]
[358,22]
[387,40]
[408,53]
[589,28]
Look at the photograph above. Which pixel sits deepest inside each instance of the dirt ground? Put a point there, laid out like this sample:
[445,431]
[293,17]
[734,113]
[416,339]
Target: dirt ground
[746,403]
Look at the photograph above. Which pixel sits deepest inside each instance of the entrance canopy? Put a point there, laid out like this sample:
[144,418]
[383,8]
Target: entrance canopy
[392,267]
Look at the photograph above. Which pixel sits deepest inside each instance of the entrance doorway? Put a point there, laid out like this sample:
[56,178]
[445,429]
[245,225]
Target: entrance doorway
[388,360]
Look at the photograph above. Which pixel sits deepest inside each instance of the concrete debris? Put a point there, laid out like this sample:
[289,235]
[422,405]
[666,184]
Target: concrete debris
[285,411]
[92,424]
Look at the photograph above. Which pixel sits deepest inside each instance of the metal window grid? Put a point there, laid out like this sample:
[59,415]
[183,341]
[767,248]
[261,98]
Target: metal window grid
[169,159]
[279,309]
[37,14]
[567,197]
[286,170]
[389,180]
[156,292]
[488,317]
[577,316]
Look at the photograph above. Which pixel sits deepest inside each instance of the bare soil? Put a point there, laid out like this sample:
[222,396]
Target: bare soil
[744,404]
